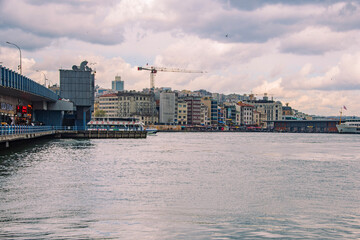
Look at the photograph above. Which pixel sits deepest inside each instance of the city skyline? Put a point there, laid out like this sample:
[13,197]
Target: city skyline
[302,52]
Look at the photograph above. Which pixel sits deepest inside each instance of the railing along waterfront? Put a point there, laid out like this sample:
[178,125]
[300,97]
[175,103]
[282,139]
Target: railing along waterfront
[20,129]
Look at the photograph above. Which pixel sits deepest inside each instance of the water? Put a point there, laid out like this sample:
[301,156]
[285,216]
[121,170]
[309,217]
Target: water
[184,186]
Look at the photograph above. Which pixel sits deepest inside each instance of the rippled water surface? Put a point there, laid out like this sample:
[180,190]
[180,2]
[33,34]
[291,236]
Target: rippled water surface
[183,186]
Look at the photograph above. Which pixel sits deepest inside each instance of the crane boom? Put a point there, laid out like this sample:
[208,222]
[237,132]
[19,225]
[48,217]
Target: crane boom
[154,70]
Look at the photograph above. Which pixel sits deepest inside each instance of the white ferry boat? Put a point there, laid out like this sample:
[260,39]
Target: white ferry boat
[115,124]
[350,126]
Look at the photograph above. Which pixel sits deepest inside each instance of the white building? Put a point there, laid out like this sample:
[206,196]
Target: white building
[244,114]
[271,110]
[129,104]
[168,108]
[204,112]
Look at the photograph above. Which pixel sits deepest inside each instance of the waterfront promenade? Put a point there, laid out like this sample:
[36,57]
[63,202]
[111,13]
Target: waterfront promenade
[13,135]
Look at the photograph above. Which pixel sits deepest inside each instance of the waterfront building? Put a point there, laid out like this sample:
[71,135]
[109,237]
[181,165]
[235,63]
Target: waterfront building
[193,110]
[245,114]
[270,108]
[306,126]
[168,108]
[221,116]
[287,113]
[256,118]
[130,104]
[117,84]
[211,105]
[230,113]
[182,113]
[204,113]
[77,85]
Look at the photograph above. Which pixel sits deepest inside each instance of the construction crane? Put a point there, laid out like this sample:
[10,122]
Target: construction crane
[154,70]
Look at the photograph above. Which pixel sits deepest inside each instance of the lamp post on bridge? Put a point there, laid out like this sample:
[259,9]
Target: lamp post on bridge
[20,66]
[44,77]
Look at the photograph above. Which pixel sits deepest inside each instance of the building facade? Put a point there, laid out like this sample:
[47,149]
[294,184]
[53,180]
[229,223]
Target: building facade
[182,113]
[230,114]
[204,113]
[270,110]
[211,105]
[193,110]
[246,116]
[77,85]
[129,104]
[168,108]
[117,84]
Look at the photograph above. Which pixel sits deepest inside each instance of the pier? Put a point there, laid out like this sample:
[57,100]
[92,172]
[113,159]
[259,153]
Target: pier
[15,135]
[100,134]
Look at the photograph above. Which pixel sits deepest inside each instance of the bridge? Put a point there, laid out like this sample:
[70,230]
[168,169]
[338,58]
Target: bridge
[16,85]
[23,100]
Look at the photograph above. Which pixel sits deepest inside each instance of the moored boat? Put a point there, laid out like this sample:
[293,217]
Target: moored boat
[151,131]
[350,126]
[115,124]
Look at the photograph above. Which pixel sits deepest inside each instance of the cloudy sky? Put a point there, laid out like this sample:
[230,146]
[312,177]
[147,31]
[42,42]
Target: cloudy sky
[304,52]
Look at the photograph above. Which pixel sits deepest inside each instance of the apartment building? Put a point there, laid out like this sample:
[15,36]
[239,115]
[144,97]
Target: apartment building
[245,114]
[212,106]
[182,113]
[193,110]
[168,108]
[272,110]
[129,104]
[204,113]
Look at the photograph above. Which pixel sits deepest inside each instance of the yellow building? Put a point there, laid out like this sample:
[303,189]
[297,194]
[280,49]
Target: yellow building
[182,113]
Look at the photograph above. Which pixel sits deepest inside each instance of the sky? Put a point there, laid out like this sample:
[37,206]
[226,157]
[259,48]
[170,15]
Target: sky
[302,52]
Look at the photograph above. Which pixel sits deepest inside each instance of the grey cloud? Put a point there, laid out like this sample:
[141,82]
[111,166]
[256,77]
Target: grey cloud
[225,21]
[347,18]
[254,4]
[24,40]
[88,3]
[255,21]
[58,20]
[339,87]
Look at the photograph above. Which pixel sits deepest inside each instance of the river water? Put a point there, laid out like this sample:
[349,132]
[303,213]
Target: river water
[183,186]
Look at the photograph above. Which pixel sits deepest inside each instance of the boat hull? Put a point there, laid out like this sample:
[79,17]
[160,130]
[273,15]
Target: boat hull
[343,128]
[151,131]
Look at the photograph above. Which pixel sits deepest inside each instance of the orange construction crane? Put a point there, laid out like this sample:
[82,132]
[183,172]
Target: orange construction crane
[154,70]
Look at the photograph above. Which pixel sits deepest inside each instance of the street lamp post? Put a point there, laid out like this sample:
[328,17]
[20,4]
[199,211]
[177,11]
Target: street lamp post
[20,66]
[44,77]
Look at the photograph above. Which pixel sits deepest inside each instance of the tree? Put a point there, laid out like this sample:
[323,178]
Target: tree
[100,113]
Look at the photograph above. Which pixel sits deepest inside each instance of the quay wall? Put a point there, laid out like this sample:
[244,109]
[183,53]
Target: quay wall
[100,134]
[7,141]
